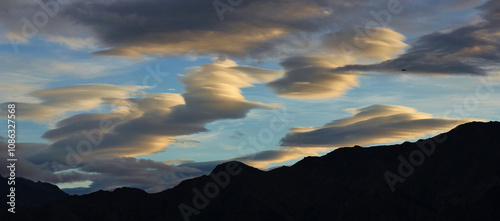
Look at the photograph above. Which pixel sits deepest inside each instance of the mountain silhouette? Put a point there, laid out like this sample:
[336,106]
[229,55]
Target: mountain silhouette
[452,176]
[29,193]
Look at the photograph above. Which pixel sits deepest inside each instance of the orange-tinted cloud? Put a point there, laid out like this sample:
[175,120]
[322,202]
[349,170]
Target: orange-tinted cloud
[149,122]
[310,77]
[378,43]
[371,125]
[56,101]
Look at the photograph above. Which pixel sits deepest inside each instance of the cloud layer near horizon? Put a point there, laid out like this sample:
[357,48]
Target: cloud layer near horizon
[106,174]
[375,124]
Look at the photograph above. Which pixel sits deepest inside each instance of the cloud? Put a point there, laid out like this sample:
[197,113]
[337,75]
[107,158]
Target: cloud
[378,43]
[310,77]
[265,158]
[186,142]
[82,69]
[18,78]
[371,125]
[148,123]
[256,29]
[469,50]
[261,159]
[108,135]
[177,161]
[152,27]
[27,20]
[460,4]
[205,166]
[146,174]
[27,169]
[317,76]
[74,43]
[252,28]
[57,101]
[106,174]
[15,86]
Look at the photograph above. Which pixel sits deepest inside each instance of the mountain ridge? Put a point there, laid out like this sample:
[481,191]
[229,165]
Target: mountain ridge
[30,193]
[457,177]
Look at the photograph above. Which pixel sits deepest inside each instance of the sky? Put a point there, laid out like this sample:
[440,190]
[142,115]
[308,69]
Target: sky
[148,93]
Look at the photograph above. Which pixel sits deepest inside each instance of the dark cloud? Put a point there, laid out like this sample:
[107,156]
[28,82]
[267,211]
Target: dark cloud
[44,171]
[74,125]
[256,28]
[470,50]
[106,174]
[132,28]
[253,28]
[140,173]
